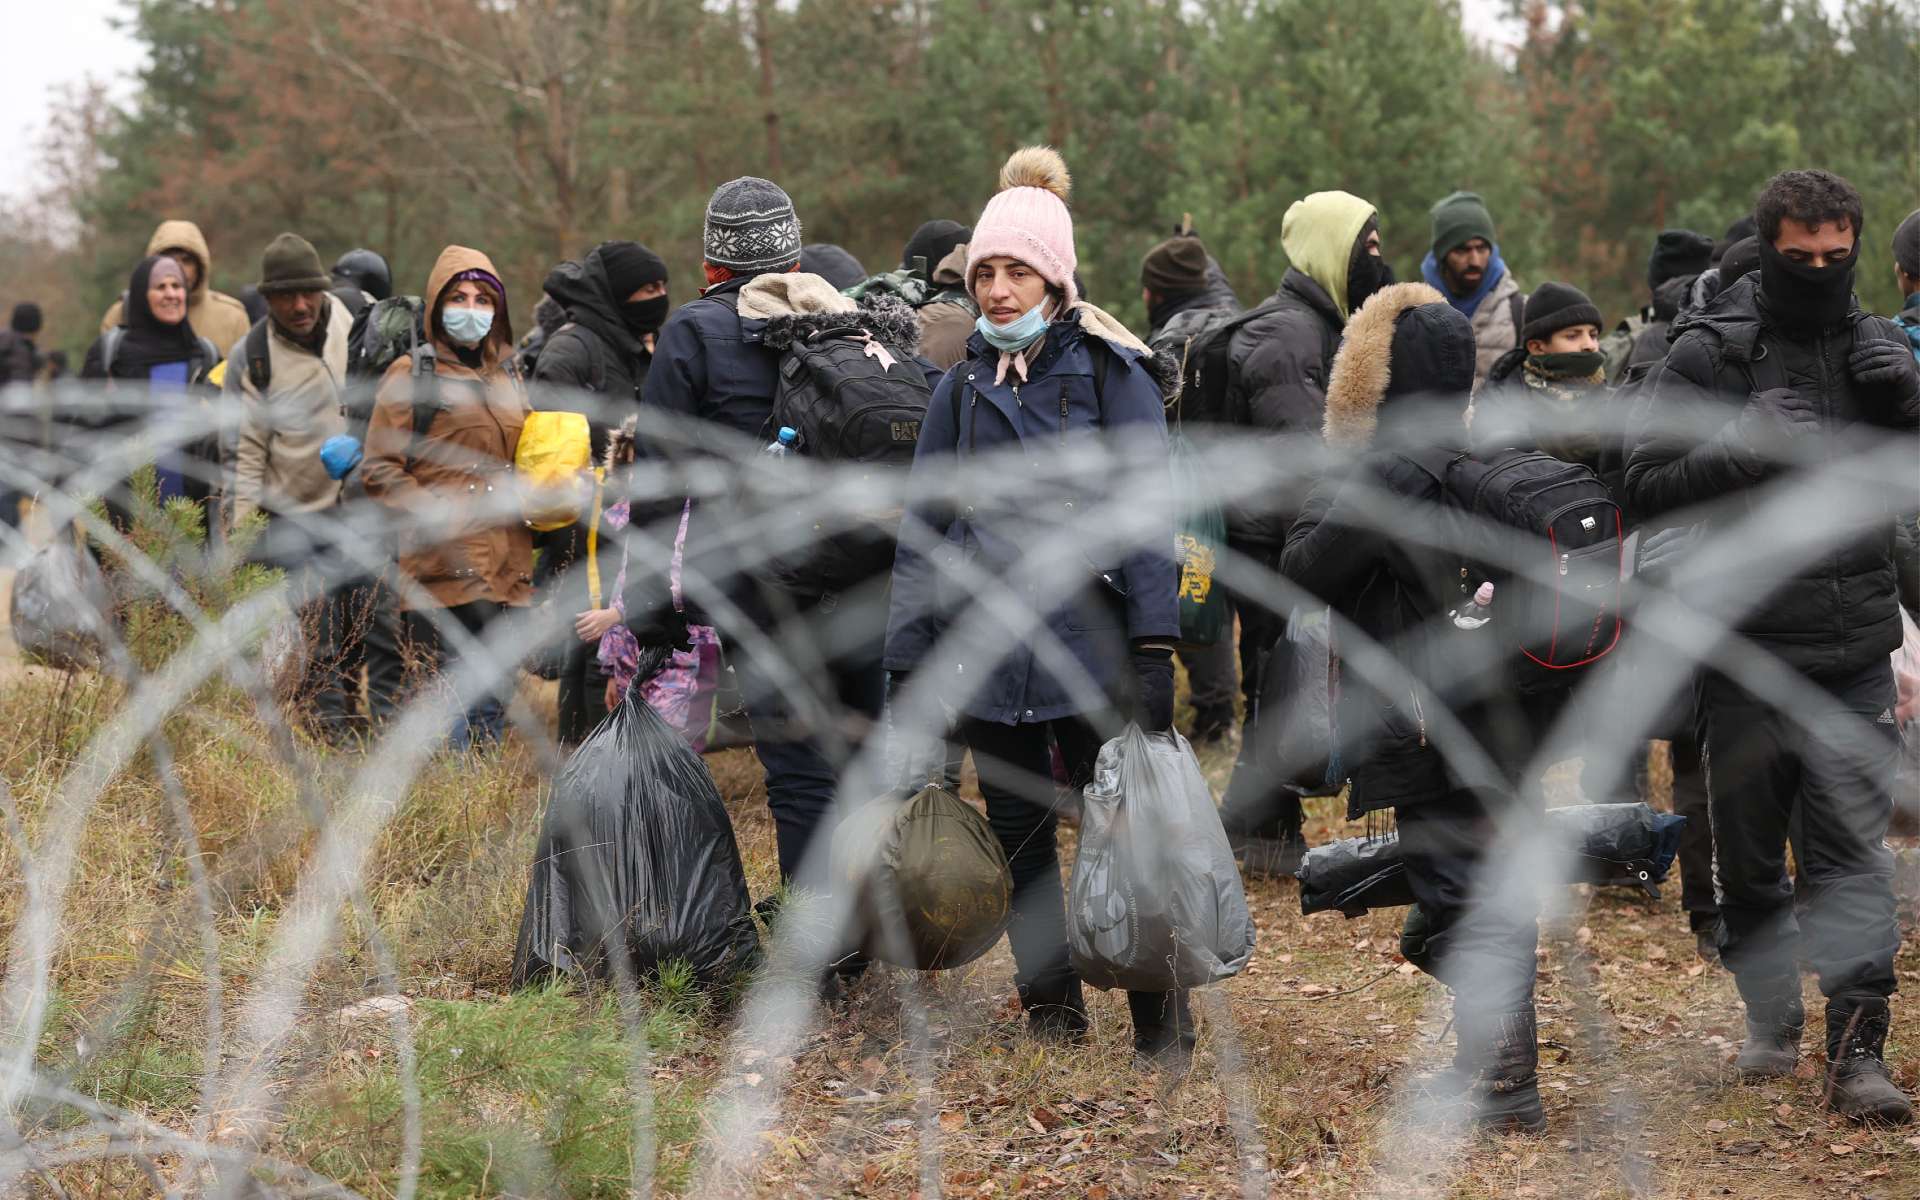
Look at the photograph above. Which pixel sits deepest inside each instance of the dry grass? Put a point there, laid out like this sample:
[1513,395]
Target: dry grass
[1638,1033]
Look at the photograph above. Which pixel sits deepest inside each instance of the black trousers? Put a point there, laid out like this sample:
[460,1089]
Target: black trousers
[1696,840]
[1015,764]
[583,691]
[1477,926]
[1253,806]
[1820,779]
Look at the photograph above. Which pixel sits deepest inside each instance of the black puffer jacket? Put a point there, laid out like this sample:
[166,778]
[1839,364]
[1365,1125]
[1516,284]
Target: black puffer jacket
[593,352]
[1397,400]
[1840,612]
[1277,370]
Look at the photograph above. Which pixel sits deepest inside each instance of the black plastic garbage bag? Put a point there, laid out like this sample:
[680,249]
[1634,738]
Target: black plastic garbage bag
[933,884]
[1156,901]
[1613,844]
[1288,751]
[1354,875]
[61,607]
[1625,844]
[636,850]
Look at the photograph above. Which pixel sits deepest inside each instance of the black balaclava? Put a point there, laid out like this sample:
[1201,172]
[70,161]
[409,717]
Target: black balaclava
[630,267]
[1803,297]
[1366,273]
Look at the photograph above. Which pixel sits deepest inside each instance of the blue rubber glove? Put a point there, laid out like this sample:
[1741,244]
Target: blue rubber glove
[340,454]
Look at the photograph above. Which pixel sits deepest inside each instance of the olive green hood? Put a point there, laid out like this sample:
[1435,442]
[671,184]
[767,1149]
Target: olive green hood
[1318,235]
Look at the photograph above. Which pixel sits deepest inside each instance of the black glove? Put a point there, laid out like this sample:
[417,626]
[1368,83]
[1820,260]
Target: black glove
[1878,362]
[1153,688]
[1773,421]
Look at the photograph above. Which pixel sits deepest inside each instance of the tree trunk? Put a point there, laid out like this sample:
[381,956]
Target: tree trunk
[762,41]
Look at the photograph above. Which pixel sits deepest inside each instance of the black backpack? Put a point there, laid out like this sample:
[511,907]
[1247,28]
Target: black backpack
[382,334]
[855,400]
[1204,369]
[1563,613]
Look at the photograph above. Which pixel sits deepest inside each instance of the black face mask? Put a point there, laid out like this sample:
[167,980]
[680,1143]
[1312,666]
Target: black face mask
[1572,365]
[1366,274]
[645,316]
[1802,296]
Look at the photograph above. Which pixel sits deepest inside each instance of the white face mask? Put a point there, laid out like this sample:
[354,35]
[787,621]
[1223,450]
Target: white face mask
[1016,335]
[467,326]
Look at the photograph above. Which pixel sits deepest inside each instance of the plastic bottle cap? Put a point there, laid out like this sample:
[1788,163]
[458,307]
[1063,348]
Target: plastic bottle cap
[787,435]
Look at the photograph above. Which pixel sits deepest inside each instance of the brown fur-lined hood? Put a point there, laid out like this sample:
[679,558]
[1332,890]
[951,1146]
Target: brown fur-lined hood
[1430,353]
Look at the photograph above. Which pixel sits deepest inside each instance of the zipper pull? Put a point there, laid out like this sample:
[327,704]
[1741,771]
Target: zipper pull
[1063,416]
[1563,564]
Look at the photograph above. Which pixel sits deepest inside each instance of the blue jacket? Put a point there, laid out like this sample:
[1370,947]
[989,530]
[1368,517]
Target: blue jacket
[1129,593]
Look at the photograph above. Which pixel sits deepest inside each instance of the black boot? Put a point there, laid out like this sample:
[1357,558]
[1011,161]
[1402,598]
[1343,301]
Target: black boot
[1858,1086]
[1212,723]
[1056,1009]
[1506,1053]
[1270,857]
[1163,1031]
[1775,1020]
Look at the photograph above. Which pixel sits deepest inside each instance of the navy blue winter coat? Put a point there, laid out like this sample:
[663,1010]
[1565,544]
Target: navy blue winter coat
[1128,593]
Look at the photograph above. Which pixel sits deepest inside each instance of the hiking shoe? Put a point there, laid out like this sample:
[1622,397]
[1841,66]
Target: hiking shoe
[1509,1053]
[1772,1048]
[1211,724]
[1858,1085]
[1707,945]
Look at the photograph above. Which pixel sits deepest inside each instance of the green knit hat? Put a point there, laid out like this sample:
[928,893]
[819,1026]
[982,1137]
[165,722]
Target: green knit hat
[291,264]
[1459,219]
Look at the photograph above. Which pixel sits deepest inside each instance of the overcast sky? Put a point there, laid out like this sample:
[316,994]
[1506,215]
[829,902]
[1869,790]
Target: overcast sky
[59,43]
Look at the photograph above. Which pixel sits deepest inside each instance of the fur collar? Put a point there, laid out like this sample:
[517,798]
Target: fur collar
[1362,367]
[882,314]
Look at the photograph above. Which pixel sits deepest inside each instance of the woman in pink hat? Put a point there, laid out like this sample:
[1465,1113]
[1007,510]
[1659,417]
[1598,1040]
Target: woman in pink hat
[1047,379]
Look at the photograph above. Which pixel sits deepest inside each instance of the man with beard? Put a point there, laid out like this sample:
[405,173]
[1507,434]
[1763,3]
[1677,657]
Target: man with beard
[1779,374]
[1277,368]
[1466,266]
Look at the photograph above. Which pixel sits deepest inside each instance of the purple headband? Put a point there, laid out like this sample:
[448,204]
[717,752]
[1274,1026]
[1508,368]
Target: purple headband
[479,276]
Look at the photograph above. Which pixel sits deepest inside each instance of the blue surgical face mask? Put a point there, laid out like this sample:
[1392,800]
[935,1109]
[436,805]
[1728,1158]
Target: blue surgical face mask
[1017,334]
[467,326]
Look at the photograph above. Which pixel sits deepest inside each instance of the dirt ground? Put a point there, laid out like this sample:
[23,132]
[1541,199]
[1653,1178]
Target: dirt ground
[1295,1090]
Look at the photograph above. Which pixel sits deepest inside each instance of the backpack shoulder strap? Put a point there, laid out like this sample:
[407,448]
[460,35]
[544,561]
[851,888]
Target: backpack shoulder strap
[259,360]
[426,396]
[1517,304]
[109,347]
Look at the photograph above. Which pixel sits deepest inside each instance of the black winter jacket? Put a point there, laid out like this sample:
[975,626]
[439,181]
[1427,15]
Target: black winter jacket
[1839,613]
[1278,365]
[593,352]
[1397,403]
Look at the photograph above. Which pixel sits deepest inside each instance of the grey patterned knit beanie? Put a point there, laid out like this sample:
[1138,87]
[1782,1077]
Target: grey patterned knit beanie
[751,227]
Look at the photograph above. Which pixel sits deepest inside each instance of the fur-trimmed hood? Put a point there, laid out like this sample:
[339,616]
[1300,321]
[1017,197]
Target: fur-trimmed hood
[1430,353]
[796,306]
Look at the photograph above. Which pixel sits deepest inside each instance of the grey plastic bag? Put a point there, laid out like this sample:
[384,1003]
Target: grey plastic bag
[1156,902]
[61,607]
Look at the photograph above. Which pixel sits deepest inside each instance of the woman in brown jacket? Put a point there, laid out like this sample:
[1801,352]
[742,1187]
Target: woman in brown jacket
[448,476]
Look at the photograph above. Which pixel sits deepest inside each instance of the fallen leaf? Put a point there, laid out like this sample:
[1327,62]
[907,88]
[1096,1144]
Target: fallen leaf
[751,1079]
[1098,1191]
[1043,1119]
[1784,1111]
[952,1121]
[1407,968]
[1839,1148]
[1716,1126]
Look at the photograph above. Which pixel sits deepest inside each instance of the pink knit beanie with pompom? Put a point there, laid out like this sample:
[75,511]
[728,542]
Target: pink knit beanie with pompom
[1028,220]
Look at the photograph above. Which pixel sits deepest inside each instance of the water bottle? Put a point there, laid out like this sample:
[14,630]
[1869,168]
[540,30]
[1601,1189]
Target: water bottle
[782,445]
[1476,612]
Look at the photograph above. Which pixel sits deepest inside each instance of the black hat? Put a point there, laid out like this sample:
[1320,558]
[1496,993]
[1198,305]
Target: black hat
[1553,307]
[366,270]
[1174,267]
[1906,245]
[1741,258]
[1676,253]
[933,242]
[1744,227]
[26,317]
[832,264]
[629,267]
